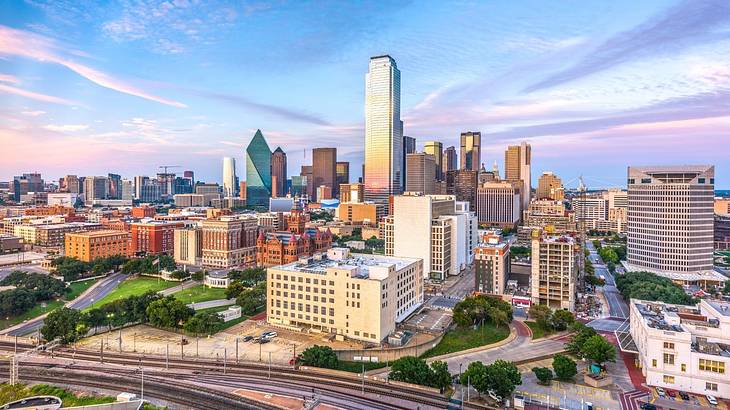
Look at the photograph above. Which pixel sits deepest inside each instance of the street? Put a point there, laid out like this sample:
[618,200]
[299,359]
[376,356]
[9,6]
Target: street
[616,304]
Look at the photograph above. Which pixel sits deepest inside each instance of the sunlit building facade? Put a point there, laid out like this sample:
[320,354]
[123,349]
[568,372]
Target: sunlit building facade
[258,171]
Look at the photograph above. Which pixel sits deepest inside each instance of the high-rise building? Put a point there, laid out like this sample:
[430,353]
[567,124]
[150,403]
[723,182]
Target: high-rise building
[351,192]
[670,222]
[409,147]
[462,183]
[589,208]
[449,160]
[278,173]
[298,185]
[498,204]
[554,270]
[230,185]
[308,177]
[471,151]
[95,188]
[127,186]
[549,186]
[343,173]
[258,171]
[166,181]
[383,131]
[71,184]
[324,169]
[517,161]
[90,245]
[420,169]
[139,182]
[25,183]
[189,175]
[115,186]
[436,150]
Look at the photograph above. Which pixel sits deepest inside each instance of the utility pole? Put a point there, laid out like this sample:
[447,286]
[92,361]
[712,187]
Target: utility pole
[468,388]
[269,365]
[259,350]
[197,340]
[101,356]
[236,350]
[142,392]
[167,356]
[225,359]
[363,378]
[120,340]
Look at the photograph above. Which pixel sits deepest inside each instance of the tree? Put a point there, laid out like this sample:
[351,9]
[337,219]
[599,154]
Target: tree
[441,376]
[726,288]
[16,301]
[168,312]
[251,300]
[203,323]
[648,286]
[197,276]
[234,289]
[581,335]
[594,280]
[180,274]
[599,350]
[543,374]
[411,369]
[473,310]
[63,324]
[561,319]
[476,376]
[542,315]
[502,378]
[565,367]
[319,356]
[498,317]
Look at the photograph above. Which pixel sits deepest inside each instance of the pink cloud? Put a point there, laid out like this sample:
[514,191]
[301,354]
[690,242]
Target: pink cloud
[35,96]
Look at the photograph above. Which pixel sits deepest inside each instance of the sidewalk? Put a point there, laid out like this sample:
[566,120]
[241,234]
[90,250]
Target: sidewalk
[178,288]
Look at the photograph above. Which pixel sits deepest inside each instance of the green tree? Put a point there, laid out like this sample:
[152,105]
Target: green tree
[565,368]
[726,288]
[234,289]
[599,350]
[543,375]
[203,323]
[14,302]
[319,356]
[561,319]
[542,315]
[411,369]
[648,286]
[581,334]
[251,300]
[441,376]
[168,312]
[498,317]
[502,378]
[63,324]
[476,376]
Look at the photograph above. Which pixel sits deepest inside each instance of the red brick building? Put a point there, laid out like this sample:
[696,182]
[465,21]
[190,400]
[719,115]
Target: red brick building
[279,248]
[154,237]
[297,219]
[143,212]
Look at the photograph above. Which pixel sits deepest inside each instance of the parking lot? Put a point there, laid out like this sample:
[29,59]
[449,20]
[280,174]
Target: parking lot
[430,319]
[676,402]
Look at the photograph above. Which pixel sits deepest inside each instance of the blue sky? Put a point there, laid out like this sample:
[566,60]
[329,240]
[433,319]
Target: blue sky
[594,86]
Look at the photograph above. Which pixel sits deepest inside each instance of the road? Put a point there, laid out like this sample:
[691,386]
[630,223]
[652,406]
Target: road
[5,271]
[616,304]
[103,288]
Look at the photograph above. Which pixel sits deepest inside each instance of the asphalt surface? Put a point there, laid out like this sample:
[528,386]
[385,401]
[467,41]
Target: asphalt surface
[212,304]
[105,287]
[616,304]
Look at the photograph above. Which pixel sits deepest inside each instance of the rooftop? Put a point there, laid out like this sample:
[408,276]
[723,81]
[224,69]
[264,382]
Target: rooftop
[722,307]
[319,263]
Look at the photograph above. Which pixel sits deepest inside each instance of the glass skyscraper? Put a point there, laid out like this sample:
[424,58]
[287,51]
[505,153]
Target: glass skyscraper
[383,131]
[230,184]
[258,171]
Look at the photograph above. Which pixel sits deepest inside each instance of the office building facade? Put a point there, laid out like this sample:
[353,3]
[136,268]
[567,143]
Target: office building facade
[436,150]
[324,170]
[555,261]
[517,169]
[258,171]
[230,180]
[420,173]
[278,173]
[471,151]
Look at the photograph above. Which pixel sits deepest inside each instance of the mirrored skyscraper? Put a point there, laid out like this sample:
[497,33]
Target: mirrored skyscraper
[229,177]
[383,131]
[258,171]
[278,173]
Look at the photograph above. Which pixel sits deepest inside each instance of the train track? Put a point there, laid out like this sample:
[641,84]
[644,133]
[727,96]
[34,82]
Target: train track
[201,369]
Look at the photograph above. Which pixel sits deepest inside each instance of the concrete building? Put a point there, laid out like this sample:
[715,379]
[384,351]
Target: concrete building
[449,160]
[51,235]
[229,241]
[498,204]
[10,244]
[352,193]
[324,170]
[356,296]
[420,171]
[670,222]
[554,271]
[590,208]
[436,150]
[343,173]
[68,199]
[188,246]
[517,163]
[90,245]
[549,186]
[357,213]
[492,265]
[217,279]
[471,151]
[679,347]
[463,185]
[23,184]
[544,213]
[722,206]
[154,237]
[722,232]
[95,187]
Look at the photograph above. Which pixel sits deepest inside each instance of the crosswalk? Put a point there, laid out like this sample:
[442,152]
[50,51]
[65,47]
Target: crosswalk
[630,400]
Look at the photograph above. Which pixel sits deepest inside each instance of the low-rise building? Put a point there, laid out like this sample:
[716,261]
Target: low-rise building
[87,246]
[188,247]
[10,244]
[355,296]
[154,237]
[217,279]
[357,213]
[282,247]
[51,235]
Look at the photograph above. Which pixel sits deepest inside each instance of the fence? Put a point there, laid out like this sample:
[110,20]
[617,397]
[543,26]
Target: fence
[382,355]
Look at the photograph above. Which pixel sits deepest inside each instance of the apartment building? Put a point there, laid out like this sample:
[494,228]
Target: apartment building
[51,235]
[87,246]
[554,271]
[229,241]
[492,263]
[680,347]
[353,296]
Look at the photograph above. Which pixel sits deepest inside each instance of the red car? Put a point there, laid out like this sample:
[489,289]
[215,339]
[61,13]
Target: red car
[672,393]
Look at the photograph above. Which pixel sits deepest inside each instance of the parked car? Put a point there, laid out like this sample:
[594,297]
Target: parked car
[661,392]
[648,406]
[264,340]
[671,393]
[247,338]
[269,335]
[684,395]
[712,400]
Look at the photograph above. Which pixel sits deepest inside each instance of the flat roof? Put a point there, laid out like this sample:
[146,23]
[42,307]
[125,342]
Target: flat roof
[356,260]
[720,306]
[103,232]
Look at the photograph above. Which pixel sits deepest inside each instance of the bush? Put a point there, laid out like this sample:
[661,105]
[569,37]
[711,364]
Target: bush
[543,374]
[648,286]
[319,356]
[565,368]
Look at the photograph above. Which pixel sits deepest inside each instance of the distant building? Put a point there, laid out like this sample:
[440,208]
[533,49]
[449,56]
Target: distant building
[31,182]
[463,184]
[95,187]
[324,171]
[436,150]
[229,241]
[420,173]
[258,171]
[549,186]
[143,212]
[352,192]
[409,147]
[722,206]
[278,173]
[343,173]
[230,180]
[492,265]
[87,246]
[51,235]
[279,248]
[555,262]
[498,204]
[517,163]
[471,151]
[722,232]
[357,213]
[153,237]
[449,161]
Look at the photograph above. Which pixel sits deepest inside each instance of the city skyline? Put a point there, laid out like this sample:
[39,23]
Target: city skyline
[93,90]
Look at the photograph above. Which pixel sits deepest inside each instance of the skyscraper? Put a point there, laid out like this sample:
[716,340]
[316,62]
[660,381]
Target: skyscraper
[420,169]
[471,150]
[409,147]
[27,183]
[448,163]
[96,188]
[71,184]
[343,172]
[517,160]
[549,186]
[230,185]
[258,171]
[324,169]
[115,186]
[278,173]
[436,150]
[191,176]
[383,131]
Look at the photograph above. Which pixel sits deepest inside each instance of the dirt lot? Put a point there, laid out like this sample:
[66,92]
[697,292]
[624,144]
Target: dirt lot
[150,340]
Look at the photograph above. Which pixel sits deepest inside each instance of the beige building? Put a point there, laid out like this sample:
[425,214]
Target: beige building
[492,261]
[357,296]
[722,206]
[517,163]
[229,241]
[87,246]
[188,246]
[51,235]
[554,270]
[354,192]
[357,213]
[498,204]
[420,173]
[548,214]
[549,186]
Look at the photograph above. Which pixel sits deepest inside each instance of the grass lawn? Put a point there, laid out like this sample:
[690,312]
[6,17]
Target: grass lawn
[36,311]
[356,367]
[537,331]
[225,325]
[200,293]
[77,288]
[135,286]
[462,339]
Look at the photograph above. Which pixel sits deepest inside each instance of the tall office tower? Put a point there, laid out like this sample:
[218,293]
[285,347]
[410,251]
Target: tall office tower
[190,175]
[498,204]
[278,173]
[167,184]
[127,186]
[449,160]
[471,150]
[590,208]
[343,173]
[324,169]
[258,171]
[139,182]
[409,147]
[436,149]
[420,169]
[308,180]
[517,160]
[115,186]
[670,222]
[554,270]
[463,184]
[71,184]
[383,131]
[549,186]
[25,183]
[96,188]
[229,177]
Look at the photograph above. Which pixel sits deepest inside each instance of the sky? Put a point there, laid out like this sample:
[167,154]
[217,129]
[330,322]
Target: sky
[126,86]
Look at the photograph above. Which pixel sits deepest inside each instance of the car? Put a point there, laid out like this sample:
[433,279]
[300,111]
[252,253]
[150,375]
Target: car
[712,400]
[684,396]
[661,392]
[671,393]
[647,406]
[269,335]
[247,338]
[264,340]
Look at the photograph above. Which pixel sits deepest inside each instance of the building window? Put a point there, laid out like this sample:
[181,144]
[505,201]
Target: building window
[669,345]
[684,367]
[668,358]
[710,386]
[668,379]
[712,366]
[653,362]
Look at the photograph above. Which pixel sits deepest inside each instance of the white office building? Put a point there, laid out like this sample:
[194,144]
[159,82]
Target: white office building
[230,186]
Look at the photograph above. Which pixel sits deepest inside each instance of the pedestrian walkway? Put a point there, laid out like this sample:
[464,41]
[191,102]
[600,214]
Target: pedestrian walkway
[632,400]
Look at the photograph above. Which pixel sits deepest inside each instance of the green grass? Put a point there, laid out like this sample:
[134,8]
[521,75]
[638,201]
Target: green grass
[19,391]
[537,331]
[356,367]
[77,288]
[225,325]
[460,339]
[200,293]
[36,311]
[135,286]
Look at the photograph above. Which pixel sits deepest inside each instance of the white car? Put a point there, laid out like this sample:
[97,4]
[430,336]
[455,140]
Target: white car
[269,335]
[660,391]
[712,400]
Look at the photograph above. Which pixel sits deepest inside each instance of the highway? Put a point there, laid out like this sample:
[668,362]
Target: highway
[616,304]
[101,289]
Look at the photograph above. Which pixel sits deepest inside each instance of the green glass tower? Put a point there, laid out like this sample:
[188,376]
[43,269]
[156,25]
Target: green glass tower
[258,171]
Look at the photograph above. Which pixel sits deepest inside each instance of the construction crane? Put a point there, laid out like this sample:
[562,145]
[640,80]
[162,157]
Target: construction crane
[165,167]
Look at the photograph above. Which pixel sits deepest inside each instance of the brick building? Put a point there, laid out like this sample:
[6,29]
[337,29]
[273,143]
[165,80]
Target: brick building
[87,246]
[229,241]
[143,212]
[154,237]
[279,248]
